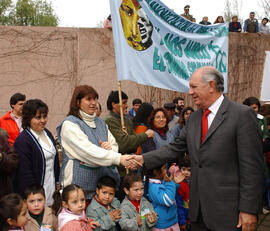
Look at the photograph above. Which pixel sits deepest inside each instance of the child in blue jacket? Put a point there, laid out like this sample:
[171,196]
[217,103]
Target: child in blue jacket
[161,190]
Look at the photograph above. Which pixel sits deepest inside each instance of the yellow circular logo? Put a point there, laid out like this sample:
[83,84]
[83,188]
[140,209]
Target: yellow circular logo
[137,27]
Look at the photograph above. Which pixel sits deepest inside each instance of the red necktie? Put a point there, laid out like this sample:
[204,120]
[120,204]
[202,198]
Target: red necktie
[205,124]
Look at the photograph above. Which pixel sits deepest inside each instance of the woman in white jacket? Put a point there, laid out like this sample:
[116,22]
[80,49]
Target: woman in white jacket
[90,150]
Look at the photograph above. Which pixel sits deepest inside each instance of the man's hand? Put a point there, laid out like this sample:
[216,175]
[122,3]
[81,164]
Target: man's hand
[150,133]
[135,162]
[131,161]
[247,221]
[125,159]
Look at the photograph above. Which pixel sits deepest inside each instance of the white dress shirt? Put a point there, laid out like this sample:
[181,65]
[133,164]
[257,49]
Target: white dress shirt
[49,154]
[214,109]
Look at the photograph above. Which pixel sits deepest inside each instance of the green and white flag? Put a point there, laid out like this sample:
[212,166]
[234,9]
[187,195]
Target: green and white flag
[155,46]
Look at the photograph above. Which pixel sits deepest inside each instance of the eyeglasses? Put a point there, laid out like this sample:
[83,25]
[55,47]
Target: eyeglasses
[159,117]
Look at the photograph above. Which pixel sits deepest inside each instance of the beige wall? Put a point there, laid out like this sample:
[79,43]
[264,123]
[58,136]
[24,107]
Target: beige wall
[48,62]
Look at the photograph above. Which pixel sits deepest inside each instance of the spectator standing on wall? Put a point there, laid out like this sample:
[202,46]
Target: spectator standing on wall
[263,28]
[219,19]
[186,13]
[234,25]
[205,21]
[251,24]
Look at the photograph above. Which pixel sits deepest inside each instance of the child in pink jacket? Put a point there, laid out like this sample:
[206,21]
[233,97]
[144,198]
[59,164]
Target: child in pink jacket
[72,216]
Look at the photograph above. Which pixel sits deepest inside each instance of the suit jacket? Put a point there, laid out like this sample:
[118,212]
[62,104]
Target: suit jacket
[226,169]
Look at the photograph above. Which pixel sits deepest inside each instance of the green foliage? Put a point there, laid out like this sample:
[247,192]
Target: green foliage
[5,7]
[28,13]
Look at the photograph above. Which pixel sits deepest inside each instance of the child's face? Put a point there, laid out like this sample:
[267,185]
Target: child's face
[186,172]
[35,203]
[105,195]
[76,201]
[21,219]
[136,191]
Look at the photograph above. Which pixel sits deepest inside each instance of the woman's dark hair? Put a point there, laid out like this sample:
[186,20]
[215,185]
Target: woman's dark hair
[152,117]
[218,17]
[149,173]
[252,100]
[34,189]
[79,93]
[30,109]
[142,114]
[10,207]
[60,197]
[106,181]
[182,121]
[114,98]
[16,98]
[130,179]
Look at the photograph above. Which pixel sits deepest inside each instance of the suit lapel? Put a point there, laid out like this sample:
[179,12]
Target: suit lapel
[218,119]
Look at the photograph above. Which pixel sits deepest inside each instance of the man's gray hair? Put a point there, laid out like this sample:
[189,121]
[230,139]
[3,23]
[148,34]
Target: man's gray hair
[210,74]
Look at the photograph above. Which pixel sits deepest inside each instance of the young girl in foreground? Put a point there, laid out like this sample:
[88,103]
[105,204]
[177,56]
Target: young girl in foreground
[13,213]
[72,216]
[137,213]
[161,190]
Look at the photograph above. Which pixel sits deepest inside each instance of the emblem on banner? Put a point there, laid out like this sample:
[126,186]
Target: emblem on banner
[136,25]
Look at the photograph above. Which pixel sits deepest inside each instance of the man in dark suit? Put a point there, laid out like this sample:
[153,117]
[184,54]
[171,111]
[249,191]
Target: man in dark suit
[224,142]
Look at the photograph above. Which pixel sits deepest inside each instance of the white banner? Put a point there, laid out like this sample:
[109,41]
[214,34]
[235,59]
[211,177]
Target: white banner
[155,46]
[265,92]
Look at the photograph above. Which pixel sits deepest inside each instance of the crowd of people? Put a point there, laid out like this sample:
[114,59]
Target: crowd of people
[251,25]
[85,185]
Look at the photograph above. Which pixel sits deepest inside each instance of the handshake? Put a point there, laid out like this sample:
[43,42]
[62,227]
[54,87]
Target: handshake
[131,162]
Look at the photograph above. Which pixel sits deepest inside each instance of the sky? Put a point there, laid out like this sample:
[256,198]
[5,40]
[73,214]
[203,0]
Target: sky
[89,13]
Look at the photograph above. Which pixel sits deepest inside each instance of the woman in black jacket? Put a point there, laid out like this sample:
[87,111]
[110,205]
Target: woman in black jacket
[35,146]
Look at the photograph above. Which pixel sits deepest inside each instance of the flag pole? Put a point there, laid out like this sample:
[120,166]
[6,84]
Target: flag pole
[121,112]
[121,105]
